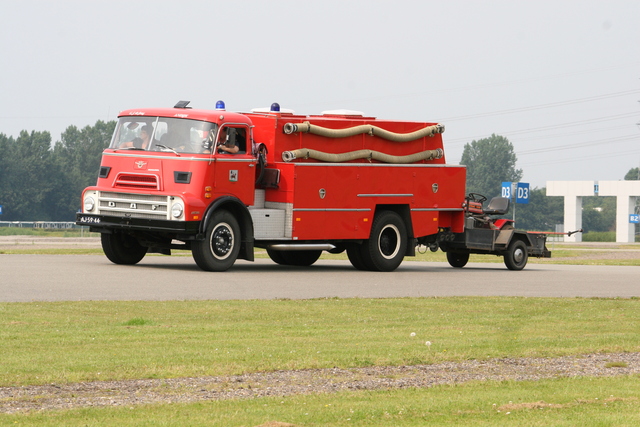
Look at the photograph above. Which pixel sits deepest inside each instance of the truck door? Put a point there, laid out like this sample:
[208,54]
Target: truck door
[234,169]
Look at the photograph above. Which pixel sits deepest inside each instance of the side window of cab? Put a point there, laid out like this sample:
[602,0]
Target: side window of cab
[232,140]
[239,137]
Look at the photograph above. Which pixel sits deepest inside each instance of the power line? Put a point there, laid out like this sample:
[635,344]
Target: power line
[576,123]
[542,106]
[551,127]
[578,145]
[579,132]
[476,87]
[570,159]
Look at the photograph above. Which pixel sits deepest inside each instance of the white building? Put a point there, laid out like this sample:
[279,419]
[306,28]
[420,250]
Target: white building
[626,193]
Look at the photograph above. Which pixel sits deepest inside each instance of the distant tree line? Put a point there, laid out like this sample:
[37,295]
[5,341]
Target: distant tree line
[43,182]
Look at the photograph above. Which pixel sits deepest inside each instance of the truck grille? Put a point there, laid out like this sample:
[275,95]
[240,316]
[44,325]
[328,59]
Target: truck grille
[133,205]
[145,182]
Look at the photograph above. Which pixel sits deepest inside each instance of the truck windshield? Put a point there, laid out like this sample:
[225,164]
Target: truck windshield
[163,134]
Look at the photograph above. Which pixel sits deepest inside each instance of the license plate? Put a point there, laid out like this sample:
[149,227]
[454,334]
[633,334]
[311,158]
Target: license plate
[88,220]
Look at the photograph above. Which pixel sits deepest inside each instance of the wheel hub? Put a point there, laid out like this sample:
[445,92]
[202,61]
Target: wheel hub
[518,255]
[388,242]
[221,241]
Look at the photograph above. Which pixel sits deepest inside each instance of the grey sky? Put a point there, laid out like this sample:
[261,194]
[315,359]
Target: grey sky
[560,79]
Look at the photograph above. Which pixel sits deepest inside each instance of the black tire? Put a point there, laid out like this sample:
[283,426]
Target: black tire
[457,259]
[276,256]
[338,249]
[122,248]
[387,244]
[293,257]
[221,246]
[302,258]
[516,256]
[354,253]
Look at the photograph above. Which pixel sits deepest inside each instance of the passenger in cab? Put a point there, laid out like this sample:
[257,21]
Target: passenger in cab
[143,141]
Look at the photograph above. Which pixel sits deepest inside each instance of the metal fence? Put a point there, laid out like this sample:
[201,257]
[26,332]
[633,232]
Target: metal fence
[44,225]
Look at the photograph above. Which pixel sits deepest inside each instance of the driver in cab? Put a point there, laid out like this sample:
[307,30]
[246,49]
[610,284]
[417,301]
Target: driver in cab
[225,144]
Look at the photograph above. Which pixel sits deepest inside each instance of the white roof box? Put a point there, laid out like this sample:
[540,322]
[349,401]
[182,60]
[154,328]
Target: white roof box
[342,113]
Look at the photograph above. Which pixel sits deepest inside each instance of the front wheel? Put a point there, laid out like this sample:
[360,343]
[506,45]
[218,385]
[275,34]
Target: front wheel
[221,246]
[457,259]
[516,256]
[122,248]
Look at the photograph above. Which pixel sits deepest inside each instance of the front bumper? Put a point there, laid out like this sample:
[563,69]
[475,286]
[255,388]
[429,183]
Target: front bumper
[107,224]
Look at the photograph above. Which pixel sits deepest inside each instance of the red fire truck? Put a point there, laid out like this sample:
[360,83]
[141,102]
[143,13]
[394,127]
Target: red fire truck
[221,184]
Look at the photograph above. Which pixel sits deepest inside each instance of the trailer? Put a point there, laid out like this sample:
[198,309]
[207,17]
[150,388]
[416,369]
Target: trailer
[485,233]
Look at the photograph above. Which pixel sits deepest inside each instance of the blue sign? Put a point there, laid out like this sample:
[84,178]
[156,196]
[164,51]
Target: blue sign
[522,192]
[0,209]
[506,190]
[634,219]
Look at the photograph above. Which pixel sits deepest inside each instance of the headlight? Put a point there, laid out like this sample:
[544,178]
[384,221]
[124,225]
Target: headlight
[89,204]
[176,210]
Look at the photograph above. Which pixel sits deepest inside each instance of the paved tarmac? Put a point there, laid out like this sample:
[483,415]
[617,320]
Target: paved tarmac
[93,277]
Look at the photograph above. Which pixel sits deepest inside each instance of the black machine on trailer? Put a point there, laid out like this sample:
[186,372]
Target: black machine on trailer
[486,234]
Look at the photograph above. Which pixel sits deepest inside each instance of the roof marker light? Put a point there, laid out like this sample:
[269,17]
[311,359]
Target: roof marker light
[220,105]
[275,107]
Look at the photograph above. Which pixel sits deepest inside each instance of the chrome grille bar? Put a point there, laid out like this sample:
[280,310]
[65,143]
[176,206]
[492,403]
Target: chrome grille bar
[133,205]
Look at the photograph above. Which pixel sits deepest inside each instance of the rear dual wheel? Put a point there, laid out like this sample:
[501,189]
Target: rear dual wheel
[354,253]
[386,246]
[293,257]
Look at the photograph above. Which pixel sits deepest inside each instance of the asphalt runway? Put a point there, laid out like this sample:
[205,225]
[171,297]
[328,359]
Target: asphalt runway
[92,277]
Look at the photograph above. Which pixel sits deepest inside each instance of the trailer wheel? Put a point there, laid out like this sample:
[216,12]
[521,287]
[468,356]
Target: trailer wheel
[220,248]
[516,256]
[457,259]
[122,248]
[293,257]
[387,244]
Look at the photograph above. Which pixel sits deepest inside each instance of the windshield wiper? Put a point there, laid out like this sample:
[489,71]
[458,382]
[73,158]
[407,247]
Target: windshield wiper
[165,148]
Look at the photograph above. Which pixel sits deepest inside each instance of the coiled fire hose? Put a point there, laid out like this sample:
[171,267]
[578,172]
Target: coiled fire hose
[306,127]
[307,153]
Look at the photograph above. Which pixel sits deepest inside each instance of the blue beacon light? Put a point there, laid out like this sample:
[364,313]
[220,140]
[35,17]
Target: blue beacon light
[220,105]
[275,107]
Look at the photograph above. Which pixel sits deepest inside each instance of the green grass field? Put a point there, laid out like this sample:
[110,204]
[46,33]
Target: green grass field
[67,342]
[561,402]
[61,342]
[103,340]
